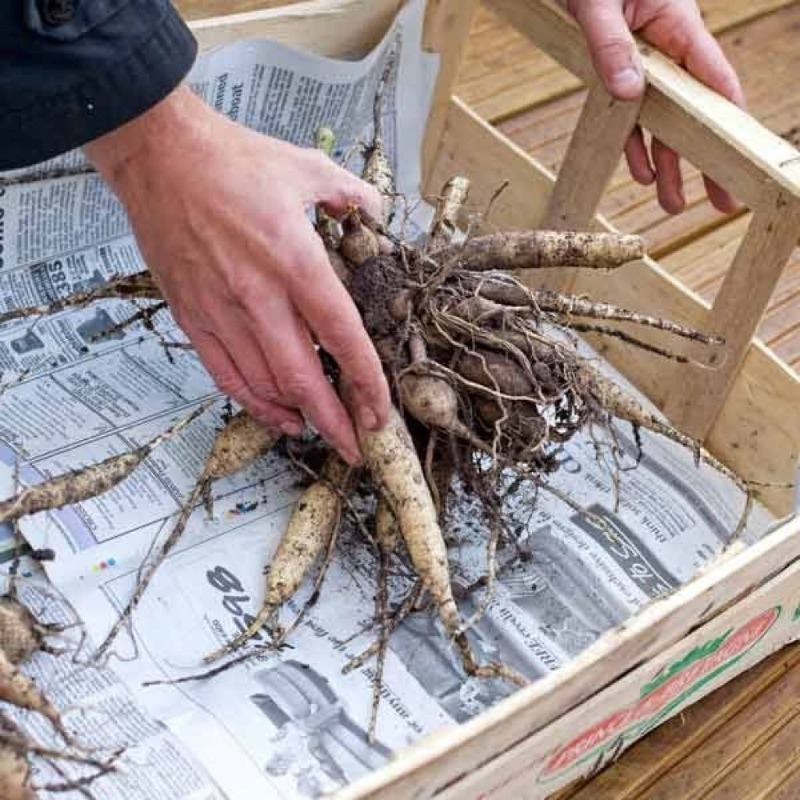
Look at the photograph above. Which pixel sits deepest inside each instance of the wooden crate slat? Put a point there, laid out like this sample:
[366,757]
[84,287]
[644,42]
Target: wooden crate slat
[738,308]
[200,9]
[509,777]
[503,74]
[447,26]
[595,147]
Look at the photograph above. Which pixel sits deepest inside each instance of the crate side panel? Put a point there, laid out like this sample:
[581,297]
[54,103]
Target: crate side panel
[598,731]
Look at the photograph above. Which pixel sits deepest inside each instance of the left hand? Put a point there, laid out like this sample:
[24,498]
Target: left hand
[676,28]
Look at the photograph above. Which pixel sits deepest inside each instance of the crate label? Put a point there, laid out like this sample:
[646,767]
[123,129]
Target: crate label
[660,697]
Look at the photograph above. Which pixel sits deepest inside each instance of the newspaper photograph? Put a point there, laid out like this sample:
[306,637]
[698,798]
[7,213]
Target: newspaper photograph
[291,723]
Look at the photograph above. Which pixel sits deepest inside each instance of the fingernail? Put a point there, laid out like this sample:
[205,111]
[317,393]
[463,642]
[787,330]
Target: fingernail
[627,82]
[291,428]
[367,418]
[352,457]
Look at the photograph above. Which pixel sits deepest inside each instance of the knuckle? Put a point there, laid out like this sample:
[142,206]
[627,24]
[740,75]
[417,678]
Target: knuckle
[615,48]
[271,415]
[577,8]
[296,388]
[242,283]
[265,390]
[346,348]
[304,264]
[677,40]
[339,328]
[372,383]
[282,207]
[229,382]
[298,264]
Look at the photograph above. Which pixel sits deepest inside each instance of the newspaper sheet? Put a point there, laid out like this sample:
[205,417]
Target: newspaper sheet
[287,724]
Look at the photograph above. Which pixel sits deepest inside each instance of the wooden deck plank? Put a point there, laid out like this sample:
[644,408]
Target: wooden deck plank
[787,346]
[503,73]
[766,763]
[723,14]
[789,788]
[756,731]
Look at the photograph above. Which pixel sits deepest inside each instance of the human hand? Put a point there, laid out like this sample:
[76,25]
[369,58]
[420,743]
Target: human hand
[219,214]
[676,28]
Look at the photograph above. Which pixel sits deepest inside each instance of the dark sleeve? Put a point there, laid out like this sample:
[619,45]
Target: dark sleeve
[71,70]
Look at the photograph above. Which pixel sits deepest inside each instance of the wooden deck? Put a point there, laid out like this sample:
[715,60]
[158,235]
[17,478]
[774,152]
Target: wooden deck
[743,741]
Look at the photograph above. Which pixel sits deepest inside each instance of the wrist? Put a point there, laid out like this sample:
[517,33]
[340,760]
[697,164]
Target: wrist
[175,123]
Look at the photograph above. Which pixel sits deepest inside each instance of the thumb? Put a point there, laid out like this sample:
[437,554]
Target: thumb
[337,189]
[611,45]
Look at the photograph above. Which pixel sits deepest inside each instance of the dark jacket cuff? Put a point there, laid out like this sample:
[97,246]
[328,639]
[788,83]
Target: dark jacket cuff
[109,96]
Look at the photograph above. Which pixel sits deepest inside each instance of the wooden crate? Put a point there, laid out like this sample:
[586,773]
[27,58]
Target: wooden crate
[747,410]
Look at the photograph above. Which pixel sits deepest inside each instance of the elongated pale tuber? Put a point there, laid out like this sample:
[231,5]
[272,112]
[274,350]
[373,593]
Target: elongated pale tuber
[313,522]
[538,249]
[83,484]
[19,690]
[393,463]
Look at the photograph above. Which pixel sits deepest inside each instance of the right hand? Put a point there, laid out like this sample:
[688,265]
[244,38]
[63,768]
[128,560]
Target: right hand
[675,27]
[219,213]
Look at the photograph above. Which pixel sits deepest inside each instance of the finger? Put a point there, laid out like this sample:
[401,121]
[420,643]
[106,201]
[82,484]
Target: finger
[330,313]
[231,382]
[707,62]
[669,181]
[611,46]
[336,189]
[638,158]
[234,334]
[721,199]
[690,43]
[297,368]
